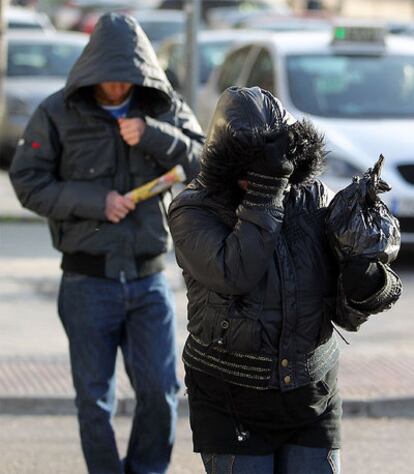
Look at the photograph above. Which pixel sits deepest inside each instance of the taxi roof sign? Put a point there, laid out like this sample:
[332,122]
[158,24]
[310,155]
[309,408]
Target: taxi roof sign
[356,33]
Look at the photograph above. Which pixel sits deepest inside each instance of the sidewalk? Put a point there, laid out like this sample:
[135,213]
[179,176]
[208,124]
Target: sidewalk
[376,372]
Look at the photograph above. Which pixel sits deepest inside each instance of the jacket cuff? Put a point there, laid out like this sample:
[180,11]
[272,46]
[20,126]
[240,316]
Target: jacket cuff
[385,297]
[265,192]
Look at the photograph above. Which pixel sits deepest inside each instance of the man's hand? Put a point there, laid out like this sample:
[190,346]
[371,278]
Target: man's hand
[131,130]
[117,206]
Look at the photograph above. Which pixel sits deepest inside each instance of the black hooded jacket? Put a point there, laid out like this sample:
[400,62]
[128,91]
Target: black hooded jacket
[72,153]
[263,285]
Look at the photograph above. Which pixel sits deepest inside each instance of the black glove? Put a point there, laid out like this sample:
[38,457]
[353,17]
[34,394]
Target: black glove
[361,278]
[273,161]
[269,176]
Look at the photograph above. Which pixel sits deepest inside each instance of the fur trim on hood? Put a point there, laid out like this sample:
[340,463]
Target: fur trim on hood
[245,119]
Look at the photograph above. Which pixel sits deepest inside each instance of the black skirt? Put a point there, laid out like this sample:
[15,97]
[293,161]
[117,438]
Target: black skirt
[229,419]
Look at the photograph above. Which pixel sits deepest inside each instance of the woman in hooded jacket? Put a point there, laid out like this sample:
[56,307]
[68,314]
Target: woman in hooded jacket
[263,289]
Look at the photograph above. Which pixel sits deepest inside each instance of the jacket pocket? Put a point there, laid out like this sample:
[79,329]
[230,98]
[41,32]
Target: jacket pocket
[242,335]
[81,235]
[88,155]
[202,325]
[217,323]
[237,332]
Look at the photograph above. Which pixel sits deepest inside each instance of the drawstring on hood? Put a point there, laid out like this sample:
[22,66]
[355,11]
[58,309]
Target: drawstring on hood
[119,51]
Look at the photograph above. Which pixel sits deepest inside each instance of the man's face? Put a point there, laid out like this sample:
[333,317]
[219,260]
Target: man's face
[112,93]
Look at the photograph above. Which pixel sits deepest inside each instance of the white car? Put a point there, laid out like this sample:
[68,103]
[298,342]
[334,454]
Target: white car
[356,85]
[19,18]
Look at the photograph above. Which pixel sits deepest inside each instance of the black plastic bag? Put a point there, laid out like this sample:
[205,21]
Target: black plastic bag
[359,224]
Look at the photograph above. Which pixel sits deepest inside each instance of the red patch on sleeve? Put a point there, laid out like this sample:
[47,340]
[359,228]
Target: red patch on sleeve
[36,145]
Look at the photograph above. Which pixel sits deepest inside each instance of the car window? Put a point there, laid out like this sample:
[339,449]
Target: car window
[211,55]
[232,68]
[160,30]
[20,25]
[262,72]
[33,59]
[348,86]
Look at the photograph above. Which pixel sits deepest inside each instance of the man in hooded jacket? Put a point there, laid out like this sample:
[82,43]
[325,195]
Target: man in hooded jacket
[116,125]
[264,287]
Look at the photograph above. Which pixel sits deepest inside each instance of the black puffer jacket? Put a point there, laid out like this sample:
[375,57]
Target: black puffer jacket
[263,286]
[72,153]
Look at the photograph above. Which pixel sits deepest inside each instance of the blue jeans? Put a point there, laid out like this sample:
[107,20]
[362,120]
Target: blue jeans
[289,459]
[99,315]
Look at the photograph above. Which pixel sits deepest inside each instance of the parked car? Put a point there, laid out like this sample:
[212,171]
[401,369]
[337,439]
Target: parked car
[159,25]
[228,16]
[19,18]
[284,23]
[37,66]
[356,84]
[213,46]
[82,15]
[400,28]
[223,13]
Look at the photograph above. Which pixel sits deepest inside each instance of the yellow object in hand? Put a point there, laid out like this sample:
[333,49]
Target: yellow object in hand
[157,185]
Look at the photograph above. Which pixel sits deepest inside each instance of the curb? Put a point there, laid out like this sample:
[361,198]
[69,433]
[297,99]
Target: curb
[379,408]
[59,406]
[15,219]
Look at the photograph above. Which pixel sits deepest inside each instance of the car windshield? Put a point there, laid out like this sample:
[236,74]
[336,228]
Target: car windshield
[160,30]
[21,25]
[345,86]
[211,56]
[31,59]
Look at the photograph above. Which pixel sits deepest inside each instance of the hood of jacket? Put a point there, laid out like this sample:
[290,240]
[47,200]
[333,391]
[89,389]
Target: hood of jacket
[244,122]
[119,51]
[248,114]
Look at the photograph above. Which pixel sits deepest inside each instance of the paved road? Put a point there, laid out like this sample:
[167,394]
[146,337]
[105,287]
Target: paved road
[378,363]
[49,445]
